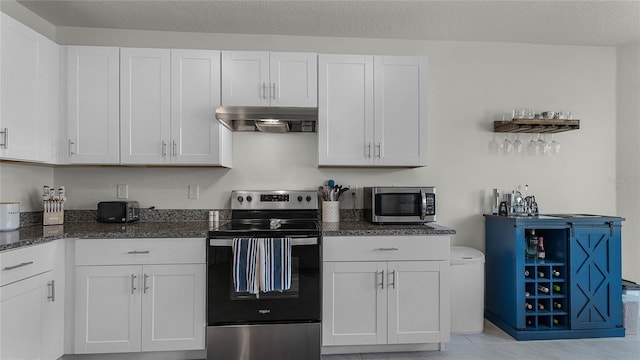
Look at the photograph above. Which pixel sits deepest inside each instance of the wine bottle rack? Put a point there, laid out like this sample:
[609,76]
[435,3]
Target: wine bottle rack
[548,309]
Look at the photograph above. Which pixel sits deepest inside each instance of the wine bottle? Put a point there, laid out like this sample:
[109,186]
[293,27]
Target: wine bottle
[526,272]
[556,273]
[556,321]
[532,246]
[556,288]
[540,274]
[557,305]
[528,306]
[529,322]
[527,294]
[543,289]
[541,252]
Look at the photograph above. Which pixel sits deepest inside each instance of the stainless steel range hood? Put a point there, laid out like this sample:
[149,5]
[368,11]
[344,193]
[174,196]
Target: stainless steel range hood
[268,118]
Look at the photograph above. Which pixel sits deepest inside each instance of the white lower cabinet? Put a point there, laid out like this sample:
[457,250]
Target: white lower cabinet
[385,290]
[32,308]
[142,300]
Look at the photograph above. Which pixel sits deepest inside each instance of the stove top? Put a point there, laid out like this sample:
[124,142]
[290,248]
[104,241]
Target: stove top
[280,213]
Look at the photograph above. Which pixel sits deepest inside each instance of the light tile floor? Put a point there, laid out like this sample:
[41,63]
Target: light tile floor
[494,344]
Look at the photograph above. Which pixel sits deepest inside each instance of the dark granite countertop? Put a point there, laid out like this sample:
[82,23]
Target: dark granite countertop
[37,234]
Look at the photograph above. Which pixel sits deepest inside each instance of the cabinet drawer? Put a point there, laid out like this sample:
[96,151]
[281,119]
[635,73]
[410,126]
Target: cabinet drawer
[26,262]
[385,248]
[140,251]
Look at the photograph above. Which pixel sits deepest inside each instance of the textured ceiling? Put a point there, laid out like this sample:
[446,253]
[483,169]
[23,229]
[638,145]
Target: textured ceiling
[596,23]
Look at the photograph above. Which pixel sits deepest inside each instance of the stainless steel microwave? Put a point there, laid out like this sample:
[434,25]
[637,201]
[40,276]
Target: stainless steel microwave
[401,204]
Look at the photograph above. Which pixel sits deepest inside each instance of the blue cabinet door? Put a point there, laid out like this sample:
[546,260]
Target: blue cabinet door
[595,271]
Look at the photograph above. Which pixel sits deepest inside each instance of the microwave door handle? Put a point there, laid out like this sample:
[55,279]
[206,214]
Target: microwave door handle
[423,213]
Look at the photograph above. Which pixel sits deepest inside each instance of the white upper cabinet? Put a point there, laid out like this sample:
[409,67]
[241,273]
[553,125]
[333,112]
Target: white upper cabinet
[144,106]
[400,110]
[29,93]
[167,104]
[197,137]
[345,110]
[372,110]
[253,78]
[93,98]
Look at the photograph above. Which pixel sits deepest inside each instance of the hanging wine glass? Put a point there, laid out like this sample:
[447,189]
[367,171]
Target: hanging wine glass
[532,146]
[543,145]
[517,145]
[507,146]
[555,146]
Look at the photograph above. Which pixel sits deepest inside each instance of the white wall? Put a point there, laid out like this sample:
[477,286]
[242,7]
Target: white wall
[628,153]
[470,84]
[23,183]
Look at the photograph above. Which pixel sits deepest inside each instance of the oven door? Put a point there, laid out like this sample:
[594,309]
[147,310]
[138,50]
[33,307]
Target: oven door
[301,303]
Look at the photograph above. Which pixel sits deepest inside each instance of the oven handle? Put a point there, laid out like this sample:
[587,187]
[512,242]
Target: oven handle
[294,241]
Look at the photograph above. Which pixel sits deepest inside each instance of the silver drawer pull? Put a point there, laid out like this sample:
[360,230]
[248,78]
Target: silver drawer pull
[17,266]
[135,252]
[388,249]
[133,283]
[52,290]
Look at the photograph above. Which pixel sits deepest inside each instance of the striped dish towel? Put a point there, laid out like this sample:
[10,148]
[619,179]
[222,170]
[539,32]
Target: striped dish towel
[245,261]
[275,264]
[261,264]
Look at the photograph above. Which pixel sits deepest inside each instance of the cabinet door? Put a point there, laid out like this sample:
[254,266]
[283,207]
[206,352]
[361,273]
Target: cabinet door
[245,78]
[293,79]
[48,101]
[93,105]
[197,137]
[22,319]
[345,110]
[400,110]
[53,308]
[595,278]
[354,303]
[21,56]
[108,309]
[418,301]
[173,307]
[144,106]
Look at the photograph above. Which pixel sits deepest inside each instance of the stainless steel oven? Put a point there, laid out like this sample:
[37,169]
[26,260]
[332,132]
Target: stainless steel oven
[267,325]
[401,204]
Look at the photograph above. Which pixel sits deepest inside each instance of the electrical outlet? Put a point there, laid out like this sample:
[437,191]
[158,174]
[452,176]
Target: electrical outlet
[122,191]
[194,191]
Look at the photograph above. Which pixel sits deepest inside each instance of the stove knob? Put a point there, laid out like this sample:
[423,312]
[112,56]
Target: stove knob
[308,198]
[240,199]
[249,198]
[299,197]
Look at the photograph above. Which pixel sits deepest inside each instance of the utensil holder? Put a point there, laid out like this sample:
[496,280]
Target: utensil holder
[330,211]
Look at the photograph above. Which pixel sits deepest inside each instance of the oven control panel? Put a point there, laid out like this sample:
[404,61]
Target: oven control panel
[274,200]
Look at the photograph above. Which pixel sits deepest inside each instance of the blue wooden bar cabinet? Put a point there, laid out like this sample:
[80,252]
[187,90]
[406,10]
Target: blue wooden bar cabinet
[574,292]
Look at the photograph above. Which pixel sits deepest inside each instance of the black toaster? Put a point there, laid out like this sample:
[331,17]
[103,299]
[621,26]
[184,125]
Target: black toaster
[118,211]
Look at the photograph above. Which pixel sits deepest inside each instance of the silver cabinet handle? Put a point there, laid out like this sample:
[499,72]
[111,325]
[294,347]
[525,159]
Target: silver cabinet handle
[71,143]
[273,91]
[379,147]
[264,90]
[133,283]
[393,284]
[388,249]
[17,266]
[52,290]
[369,150]
[5,132]
[382,278]
[175,148]
[164,148]
[144,283]
[136,252]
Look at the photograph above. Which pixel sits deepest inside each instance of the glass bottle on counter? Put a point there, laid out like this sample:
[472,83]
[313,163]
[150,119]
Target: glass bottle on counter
[532,246]
[541,253]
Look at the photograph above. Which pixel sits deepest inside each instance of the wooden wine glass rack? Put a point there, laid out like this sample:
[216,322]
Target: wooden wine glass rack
[535,126]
